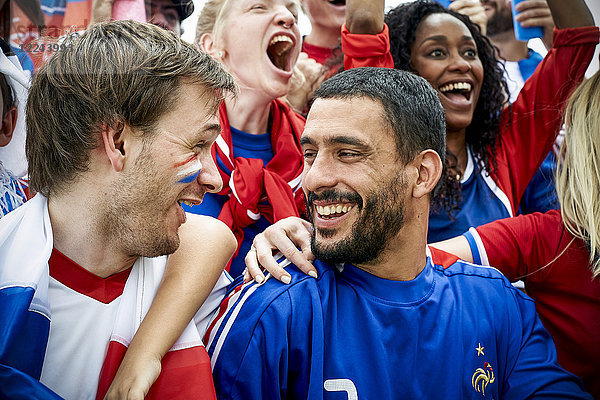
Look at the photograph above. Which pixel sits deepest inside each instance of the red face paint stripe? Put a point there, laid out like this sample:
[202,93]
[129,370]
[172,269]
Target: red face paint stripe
[189,159]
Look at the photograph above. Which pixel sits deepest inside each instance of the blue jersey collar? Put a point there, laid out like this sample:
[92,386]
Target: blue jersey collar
[402,293]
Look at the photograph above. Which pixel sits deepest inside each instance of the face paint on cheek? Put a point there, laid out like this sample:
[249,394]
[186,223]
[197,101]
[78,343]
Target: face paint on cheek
[190,170]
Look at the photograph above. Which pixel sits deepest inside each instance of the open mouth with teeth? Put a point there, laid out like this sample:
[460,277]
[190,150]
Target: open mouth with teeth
[457,90]
[187,203]
[280,52]
[333,210]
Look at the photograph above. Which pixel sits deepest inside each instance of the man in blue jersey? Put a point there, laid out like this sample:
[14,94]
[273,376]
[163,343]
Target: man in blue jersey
[386,317]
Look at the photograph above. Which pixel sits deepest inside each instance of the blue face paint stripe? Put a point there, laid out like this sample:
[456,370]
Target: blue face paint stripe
[190,178]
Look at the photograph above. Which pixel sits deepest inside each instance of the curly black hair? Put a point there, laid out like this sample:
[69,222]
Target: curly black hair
[483,133]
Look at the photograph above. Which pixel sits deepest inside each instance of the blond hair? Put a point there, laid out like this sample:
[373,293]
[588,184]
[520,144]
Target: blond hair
[212,19]
[578,172]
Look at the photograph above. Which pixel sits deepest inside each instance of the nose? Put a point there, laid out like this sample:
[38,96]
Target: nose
[285,18]
[319,174]
[209,177]
[458,63]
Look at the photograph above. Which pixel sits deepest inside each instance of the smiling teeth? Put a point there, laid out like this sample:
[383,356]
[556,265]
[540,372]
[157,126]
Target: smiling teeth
[333,209]
[187,203]
[456,86]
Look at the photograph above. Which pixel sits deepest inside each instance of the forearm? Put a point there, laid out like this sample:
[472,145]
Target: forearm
[458,245]
[191,274]
[570,14]
[365,16]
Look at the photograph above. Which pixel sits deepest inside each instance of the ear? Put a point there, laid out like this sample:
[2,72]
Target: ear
[113,139]
[429,168]
[8,126]
[208,45]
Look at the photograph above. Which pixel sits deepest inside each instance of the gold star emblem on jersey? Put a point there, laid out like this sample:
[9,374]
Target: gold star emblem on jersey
[479,349]
[483,377]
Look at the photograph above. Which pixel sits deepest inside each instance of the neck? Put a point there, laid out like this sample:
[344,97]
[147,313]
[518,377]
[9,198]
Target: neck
[323,37]
[248,112]
[510,48]
[457,145]
[73,216]
[404,256]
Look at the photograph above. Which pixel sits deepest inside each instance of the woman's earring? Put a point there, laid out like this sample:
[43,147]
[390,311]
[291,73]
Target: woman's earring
[221,54]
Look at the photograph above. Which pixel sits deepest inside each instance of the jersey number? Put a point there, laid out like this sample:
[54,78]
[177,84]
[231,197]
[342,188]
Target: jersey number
[341,385]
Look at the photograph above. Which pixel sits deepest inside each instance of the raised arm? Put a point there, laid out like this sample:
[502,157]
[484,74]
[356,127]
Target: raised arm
[534,118]
[365,37]
[365,16]
[570,14]
[192,271]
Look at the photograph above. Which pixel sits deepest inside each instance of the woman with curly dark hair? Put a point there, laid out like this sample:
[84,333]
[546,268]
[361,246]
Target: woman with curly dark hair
[482,133]
[493,151]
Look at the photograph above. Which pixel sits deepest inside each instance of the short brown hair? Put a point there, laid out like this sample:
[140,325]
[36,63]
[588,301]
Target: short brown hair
[114,73]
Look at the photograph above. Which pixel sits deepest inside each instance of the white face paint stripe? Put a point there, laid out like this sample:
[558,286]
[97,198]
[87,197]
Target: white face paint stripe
[190,172]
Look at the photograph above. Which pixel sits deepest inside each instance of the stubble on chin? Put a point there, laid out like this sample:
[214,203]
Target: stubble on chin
[133,220]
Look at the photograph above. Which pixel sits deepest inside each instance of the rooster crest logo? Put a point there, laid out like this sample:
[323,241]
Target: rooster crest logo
[482,377]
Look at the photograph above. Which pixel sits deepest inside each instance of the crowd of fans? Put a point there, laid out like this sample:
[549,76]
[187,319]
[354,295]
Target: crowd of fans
[330,205]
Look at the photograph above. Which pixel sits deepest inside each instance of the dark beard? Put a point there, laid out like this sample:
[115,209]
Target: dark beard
[379,221]
[500,22]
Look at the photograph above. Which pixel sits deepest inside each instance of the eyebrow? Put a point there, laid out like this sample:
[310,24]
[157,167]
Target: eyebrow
[442,38]
[214,129]
[349,140]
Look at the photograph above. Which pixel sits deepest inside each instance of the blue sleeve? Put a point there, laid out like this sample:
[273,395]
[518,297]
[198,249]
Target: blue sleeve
[15,385]
[23,339]
[266,353]
[535,371]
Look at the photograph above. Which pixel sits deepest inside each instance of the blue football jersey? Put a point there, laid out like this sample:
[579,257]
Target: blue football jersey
[457,331]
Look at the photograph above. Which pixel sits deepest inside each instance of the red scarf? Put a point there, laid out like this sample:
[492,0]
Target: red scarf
[247,182]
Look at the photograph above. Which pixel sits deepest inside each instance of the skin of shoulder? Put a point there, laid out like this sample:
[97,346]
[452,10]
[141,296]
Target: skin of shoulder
[205,232]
